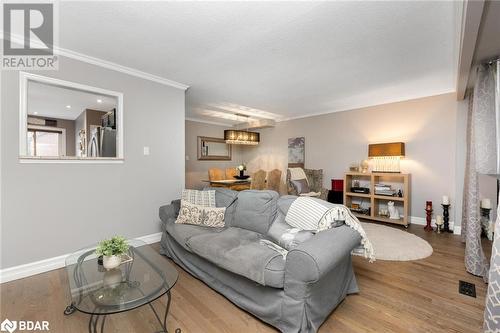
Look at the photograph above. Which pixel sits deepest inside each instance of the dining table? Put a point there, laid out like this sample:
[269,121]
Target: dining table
[233,184]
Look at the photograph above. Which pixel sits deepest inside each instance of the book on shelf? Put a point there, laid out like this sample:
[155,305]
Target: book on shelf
[386,192]
[384,189]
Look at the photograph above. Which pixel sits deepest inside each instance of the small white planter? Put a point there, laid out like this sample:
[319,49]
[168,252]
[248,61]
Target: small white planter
[110,262]
[112,278]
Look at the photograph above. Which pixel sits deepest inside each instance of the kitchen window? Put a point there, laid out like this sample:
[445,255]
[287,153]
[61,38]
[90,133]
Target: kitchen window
[46,142]
[68,122]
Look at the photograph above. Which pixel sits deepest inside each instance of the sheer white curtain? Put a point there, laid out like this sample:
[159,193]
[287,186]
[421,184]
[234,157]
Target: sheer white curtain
[492,311]
[481,159]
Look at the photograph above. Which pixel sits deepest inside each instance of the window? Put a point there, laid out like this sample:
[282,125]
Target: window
[68,122]
[45,142]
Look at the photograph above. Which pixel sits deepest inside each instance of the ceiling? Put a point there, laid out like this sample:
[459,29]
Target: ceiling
[275,60]
[52,101]
[488,42]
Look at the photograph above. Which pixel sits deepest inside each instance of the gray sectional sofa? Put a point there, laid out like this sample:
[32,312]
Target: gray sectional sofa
[295,294]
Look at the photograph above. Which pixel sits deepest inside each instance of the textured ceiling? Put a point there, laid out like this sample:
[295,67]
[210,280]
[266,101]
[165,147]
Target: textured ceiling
[275,59]
[488,43]
[53,101]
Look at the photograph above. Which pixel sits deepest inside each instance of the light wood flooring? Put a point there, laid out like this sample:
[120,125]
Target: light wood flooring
[416,296]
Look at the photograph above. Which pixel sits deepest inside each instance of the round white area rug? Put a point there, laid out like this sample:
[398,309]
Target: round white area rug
[393,244]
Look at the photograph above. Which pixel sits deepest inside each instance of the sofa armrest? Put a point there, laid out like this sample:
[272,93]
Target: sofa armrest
[311,260]
[170,211]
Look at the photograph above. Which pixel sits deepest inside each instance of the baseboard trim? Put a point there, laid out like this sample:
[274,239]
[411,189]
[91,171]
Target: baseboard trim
[45,265]
[457,230]
[152,238]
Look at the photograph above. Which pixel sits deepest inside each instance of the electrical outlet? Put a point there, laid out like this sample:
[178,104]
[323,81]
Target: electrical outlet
[146,151]
[467,288]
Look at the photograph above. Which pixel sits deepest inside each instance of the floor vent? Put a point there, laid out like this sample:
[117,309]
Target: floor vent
[467,288]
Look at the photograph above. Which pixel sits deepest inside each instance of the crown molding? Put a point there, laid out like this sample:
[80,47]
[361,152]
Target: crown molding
[119,68]
[107,64]
[198,120]
[363,106]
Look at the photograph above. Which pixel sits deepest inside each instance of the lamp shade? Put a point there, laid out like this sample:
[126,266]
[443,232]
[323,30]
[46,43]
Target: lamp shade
[386,149]
[239,137]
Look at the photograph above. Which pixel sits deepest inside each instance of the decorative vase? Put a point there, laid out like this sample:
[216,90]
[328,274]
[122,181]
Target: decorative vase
[112,278]
[110,262]
[242,173]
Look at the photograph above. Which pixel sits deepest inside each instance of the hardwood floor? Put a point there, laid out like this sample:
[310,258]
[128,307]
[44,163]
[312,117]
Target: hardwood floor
[416,296]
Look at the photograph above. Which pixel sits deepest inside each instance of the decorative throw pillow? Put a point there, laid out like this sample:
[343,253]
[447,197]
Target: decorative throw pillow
[201,215]
[202,198]
[301,186]
[287,236]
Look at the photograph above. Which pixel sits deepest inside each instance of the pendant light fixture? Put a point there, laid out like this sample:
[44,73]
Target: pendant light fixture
[241,137]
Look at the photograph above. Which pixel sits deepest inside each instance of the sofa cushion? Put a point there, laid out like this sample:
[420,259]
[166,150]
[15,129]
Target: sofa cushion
[225,198]
[285,202]
[240,251]
[285,235]
[183,232]
[255,210]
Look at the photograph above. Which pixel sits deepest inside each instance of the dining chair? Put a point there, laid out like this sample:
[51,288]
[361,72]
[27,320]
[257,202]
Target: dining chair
[231,172]
[274,180]
[215,174]
[258,180]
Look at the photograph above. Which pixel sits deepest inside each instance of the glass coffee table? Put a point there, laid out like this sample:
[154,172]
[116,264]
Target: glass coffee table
[100,292]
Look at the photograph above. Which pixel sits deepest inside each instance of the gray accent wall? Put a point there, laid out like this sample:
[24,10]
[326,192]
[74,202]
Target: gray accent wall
[48,210]
[431,128]
[197,171]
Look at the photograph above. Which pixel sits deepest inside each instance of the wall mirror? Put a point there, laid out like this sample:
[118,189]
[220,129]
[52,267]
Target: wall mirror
[67,121]
[213,149]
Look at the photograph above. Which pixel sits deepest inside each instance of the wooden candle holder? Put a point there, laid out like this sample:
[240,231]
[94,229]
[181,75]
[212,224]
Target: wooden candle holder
[446,218]
[428,217]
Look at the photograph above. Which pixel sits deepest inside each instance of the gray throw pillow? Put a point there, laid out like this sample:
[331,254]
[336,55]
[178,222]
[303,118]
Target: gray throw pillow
[285,235]
[301,186]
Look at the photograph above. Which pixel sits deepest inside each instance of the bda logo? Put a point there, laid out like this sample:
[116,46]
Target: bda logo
[8,326]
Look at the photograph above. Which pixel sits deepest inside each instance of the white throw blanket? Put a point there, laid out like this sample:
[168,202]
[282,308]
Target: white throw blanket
[297,174]
[318,215]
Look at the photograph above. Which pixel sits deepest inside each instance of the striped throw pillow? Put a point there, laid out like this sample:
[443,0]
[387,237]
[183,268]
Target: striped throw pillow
[305,213]
[201,198]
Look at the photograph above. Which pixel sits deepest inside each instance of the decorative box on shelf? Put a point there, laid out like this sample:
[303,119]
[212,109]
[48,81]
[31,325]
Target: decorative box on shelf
[383,187]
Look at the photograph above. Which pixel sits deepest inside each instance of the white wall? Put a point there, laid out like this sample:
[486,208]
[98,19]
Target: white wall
[53,209]
[428,126]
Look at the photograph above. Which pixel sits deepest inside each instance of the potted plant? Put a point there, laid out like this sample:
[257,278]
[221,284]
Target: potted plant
[111,251]
[241,168]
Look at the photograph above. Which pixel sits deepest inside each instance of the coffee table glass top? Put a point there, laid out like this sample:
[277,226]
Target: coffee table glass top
[95,290]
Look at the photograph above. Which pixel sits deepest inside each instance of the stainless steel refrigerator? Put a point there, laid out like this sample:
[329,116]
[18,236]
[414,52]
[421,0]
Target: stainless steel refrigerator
[102,142]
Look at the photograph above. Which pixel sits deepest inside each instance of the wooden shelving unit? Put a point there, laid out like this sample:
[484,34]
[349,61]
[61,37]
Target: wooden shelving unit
[376,201]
